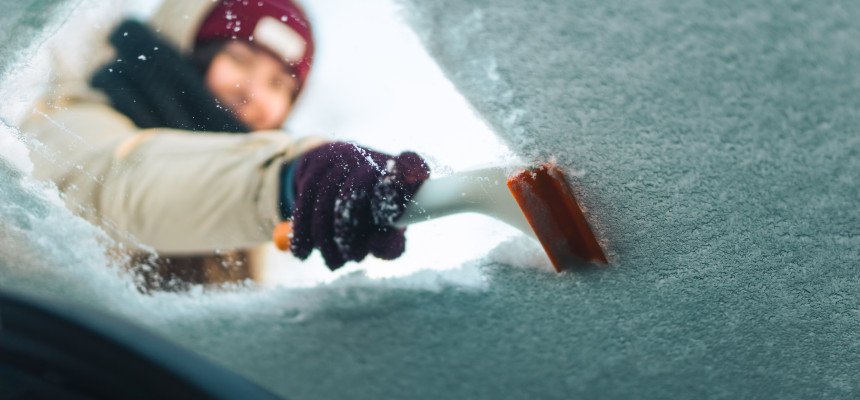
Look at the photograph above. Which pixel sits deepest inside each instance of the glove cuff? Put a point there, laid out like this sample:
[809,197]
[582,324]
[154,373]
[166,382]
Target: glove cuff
[288,189]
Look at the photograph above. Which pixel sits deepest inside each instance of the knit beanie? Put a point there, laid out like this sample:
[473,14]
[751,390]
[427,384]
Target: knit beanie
[279,26]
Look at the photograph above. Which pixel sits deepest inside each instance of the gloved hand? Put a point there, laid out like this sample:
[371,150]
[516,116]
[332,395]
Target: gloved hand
[347,198]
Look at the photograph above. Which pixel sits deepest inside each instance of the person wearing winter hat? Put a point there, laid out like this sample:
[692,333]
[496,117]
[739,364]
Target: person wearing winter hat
[174,146]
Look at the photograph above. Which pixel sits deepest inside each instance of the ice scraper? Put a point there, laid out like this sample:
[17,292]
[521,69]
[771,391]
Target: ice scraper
[536,201]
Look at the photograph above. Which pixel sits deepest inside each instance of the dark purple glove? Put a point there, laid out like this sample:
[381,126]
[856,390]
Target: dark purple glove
[347,198]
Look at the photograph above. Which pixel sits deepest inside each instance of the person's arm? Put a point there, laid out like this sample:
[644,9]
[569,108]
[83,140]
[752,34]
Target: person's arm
[175,191]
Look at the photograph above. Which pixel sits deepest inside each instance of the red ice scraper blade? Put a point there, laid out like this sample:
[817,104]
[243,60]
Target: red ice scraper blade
[556,218]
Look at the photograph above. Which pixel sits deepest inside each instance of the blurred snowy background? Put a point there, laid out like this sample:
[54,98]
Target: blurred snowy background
[715,146]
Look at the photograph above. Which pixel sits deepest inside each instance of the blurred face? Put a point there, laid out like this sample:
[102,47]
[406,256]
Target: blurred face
[252,83]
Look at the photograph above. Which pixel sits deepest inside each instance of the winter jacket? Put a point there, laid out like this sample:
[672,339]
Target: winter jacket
[176,192]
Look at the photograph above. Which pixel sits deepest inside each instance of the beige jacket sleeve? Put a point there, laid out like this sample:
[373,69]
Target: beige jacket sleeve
[176,192]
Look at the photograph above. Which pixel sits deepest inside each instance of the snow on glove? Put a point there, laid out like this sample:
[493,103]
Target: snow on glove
[347,198]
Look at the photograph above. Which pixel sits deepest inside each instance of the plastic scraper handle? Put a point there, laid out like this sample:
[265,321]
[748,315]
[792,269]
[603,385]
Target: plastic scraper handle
[482,191]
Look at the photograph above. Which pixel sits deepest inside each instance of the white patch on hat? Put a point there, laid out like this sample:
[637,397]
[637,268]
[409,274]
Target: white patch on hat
[280,38]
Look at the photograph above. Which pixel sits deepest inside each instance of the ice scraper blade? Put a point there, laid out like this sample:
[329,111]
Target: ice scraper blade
[555,216]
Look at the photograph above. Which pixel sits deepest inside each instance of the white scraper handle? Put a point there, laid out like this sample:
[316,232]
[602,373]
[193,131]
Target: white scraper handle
[483,191]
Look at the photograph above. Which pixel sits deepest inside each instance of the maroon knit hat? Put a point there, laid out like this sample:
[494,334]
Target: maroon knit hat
[279,26]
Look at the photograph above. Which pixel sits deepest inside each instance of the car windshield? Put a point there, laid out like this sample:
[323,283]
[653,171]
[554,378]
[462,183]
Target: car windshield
[712,147]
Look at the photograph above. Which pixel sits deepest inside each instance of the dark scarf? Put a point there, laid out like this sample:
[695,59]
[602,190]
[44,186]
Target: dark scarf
[154,85]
